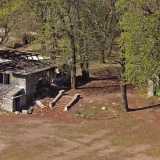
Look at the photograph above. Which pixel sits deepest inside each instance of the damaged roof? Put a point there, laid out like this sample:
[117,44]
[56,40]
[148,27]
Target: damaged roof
[12,92]
[19,62]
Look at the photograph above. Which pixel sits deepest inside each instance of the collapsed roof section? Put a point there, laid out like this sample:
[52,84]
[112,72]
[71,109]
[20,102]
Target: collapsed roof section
[19,62]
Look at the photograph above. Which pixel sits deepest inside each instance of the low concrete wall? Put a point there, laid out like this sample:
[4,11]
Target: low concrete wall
[60,94]
[73,101]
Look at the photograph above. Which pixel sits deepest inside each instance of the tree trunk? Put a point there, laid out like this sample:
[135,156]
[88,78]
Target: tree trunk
[102,56]
[43,22]
[85,75]
[124,97]
[70,32]
[81,45]
[87,67]
[82,69]
[73,78]
[43,48]
[73,70]
[124,86]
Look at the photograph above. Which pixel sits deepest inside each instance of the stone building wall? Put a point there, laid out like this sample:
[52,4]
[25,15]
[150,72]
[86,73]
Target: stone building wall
[7,104]
[36,80]
[18,80]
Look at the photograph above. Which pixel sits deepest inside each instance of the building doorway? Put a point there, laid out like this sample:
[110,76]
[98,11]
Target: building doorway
[17,104]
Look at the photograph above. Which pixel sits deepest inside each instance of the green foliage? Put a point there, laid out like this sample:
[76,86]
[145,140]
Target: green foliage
[140,40]
[91,22]
[9,9]
[10,12]
[79,30]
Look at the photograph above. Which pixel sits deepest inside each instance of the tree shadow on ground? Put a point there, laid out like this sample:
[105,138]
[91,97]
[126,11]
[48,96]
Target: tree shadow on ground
[144,108]
[99,85]
[81,82]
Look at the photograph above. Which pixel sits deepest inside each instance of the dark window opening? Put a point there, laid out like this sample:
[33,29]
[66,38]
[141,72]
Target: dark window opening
[4,78]
[1,77]
[57,75]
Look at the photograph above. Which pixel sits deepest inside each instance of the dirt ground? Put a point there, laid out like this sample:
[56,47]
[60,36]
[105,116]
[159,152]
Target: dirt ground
[94,134]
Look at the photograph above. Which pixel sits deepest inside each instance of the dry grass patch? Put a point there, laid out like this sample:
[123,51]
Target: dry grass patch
[94,111]
[78,131]
[125,141]
[154,151]
[17,152]
[90,155]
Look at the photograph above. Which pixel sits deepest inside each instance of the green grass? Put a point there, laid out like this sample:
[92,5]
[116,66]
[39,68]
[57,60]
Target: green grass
[33,47]
[94,111]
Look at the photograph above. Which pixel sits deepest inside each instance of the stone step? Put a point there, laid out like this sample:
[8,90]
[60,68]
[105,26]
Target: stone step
[65,103]
[68,97]
[64,100]
[61,103]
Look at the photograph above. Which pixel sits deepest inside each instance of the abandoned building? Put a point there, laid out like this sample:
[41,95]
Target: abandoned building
[21,76]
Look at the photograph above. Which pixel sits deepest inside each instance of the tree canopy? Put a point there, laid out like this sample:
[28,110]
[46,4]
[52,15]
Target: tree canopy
[140,38]
[9,15]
